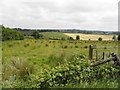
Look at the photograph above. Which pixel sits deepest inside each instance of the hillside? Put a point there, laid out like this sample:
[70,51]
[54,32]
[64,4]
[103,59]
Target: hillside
[54,35]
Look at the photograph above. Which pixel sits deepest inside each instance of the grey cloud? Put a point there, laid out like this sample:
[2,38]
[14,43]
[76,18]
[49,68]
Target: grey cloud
[61,14]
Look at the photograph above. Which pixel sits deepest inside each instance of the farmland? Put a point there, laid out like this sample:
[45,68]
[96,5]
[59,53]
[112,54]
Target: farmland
[41,63]
[90,36]
[54,35]
[44,54]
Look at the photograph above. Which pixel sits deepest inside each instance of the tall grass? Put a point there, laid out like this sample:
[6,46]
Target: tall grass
[18,67]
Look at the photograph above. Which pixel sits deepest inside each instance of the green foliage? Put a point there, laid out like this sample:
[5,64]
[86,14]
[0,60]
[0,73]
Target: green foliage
[28,37]
[18,67]
[70,38]
[54,35]
[114,37]
[118,37]
[36,35]
[77,37]
[10,34]
[74,72]
[56,67]
[99,39]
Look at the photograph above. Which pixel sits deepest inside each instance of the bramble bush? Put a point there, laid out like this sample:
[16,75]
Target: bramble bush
[74,72]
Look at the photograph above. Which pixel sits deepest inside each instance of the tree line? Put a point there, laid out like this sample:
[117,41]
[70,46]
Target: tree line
[15,34]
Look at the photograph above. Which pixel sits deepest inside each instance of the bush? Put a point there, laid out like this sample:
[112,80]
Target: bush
[85,46]
[26,45]
[114,37]
[118,37]
[77,37]
[36,35]
[29,37]
[74,72]
[66,46]
[49,41]
[62,38]
[46,45]
[99,39]
[10,45]
[82,56]
[76,46]
[10,34]
[70,38]
[19,68]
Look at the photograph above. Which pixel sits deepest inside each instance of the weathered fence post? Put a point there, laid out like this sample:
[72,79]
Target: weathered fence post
[103,55]
[90,52]
[114,58]
[109,55]
[96,54]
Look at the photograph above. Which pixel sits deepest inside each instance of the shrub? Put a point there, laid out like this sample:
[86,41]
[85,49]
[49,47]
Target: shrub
[85,46]
[105,47]
[19,68]
[76,46]
[62,38]
[28,37]
[118,37]
[26,45]
[36,35]
[11,34]
[75,43]
[66,46]
[77,37]
[81,56]
[53,41]
[70,38]
[49,41]
[10,45]
[46,45]
[99,39]
[114,37]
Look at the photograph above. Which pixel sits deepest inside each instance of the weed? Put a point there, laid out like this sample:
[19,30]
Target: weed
[26,45]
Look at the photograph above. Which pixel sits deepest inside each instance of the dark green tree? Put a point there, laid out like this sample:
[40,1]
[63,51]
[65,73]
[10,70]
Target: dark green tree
[114,37]
[36,35]
[118,37]
[77,37]
[99,39]
[70,38]
[10,34]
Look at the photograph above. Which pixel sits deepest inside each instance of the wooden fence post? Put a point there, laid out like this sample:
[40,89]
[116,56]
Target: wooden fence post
[96,54]
[109,55]
[103,55]
[90,52]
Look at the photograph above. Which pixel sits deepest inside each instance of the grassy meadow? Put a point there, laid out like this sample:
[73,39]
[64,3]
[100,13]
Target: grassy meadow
[33,63]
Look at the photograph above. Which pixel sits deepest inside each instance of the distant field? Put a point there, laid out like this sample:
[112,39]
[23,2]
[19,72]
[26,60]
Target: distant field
[55,35]
[89,36]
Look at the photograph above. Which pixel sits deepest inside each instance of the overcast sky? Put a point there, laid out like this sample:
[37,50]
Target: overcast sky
[78,14]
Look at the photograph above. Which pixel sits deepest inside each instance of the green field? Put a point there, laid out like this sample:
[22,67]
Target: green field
[56,63]
[54,35]
[40,55]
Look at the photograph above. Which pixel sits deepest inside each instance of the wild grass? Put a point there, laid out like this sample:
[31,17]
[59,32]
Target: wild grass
[26,57]
[17,67]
